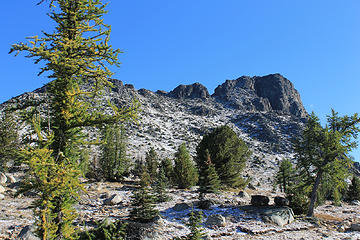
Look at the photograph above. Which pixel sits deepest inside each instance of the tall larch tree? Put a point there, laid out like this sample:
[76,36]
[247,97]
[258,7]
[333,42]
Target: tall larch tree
[324,150]
[76,54]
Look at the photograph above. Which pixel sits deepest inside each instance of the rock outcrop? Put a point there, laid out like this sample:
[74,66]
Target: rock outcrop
[195,90]
[268,93]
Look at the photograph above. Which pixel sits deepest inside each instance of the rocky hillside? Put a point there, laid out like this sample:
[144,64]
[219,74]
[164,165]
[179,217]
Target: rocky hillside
[266,112]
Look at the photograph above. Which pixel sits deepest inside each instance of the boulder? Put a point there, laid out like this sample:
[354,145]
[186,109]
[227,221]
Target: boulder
[281,201]
[27,233]
[11,179]
[244,194]
[3,178]
[279,216]
[113,200]
[195,90]
[355,227]
[259,200]
[2,196]
[251,186]
[2,189]
[355,202]
[205,204]
[216,220]
[181,207]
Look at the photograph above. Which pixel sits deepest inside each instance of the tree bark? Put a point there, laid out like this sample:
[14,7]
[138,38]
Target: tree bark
[313,196]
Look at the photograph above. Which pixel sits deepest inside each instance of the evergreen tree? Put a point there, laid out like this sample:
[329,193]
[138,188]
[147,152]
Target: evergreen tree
[143,207]
[196,232]
[321,151]
[9,139]
[167,165]
[160,187]
[285,176]
[138,168]
[354,189]
[77,52]
[208,179]
[228,154]
[185,174]
[105,231]
[151,163]
[114,162]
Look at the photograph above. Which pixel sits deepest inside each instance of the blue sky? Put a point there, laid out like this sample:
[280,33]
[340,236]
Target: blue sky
[315,44]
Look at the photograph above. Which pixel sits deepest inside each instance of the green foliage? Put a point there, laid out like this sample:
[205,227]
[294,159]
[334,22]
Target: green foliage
[285,176]
[138,168]
[208,179]
[322,154]
[185,174]
[143,207]
[56,184]
[76,52]
[196,232]
[168,168]
[105,230]
[354,189]
[160,187]
[114,162]
[151,163]
[227,152]
[9,139]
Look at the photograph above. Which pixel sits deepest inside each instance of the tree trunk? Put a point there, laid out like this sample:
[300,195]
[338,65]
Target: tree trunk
[313,197]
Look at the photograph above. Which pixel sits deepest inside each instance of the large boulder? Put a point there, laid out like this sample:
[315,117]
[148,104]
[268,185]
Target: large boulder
[113,200]
[11,179]
[355,227]
[216,220]
[181,207]
[259,200]
[281,201]
[27,233]
[279,216]
[2,196]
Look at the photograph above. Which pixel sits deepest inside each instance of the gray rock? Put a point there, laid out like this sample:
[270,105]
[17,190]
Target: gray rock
[205,204]
[181,207]
[355,227]
[281,201]
[2,189]
[244,194]
[2,196]
[259,200]
[216,220]
[195,90]
[251,186]
[11,179]
[27,233]
[279,216]
[113,200]
[355,202]
[3,178]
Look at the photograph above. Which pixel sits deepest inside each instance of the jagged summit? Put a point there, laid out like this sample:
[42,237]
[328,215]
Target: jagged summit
[195,90]
[268,93]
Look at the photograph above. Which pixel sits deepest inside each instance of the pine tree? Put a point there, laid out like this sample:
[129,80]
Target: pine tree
[151,163]
[285,176]
[9,139]
[196,232]
[138,168]
[208,179]
[228,153]
[168,168]
[324,150]
[114,162]
[160,187]
[143,207]
[185,174]
[354,189]
[75,54]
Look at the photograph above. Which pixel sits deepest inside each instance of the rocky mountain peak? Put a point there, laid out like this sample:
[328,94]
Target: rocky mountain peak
[195,90]
[268,93]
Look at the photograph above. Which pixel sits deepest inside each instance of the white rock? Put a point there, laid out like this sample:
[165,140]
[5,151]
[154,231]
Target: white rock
[2,196]
[216,220]
[113,200]
[11,178]
[3,178]
[2,189]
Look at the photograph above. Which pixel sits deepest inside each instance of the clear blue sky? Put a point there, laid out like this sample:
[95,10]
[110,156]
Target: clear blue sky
[315,44]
